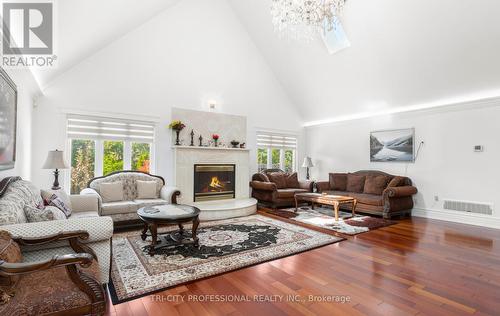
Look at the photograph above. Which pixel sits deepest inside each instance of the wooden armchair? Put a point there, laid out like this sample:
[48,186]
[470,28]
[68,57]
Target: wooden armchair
[64,285]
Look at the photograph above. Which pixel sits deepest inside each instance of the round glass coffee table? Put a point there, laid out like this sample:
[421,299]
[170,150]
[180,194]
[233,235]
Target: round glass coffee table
[168,214]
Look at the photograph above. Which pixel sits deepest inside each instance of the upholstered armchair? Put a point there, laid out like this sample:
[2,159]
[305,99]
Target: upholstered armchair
[66,284]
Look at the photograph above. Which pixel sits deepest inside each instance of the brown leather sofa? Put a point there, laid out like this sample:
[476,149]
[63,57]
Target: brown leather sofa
[275,188]
[377,192]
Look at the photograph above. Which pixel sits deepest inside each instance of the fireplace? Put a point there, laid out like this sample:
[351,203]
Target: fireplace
[214,182]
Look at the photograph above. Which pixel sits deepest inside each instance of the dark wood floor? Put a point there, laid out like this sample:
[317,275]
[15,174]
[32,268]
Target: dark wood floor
[417,267]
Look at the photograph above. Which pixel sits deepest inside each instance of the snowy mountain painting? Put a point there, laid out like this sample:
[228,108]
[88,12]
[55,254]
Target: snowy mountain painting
[393,145]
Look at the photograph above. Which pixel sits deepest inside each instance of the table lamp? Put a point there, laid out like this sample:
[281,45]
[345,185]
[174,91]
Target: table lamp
[307,164]
[55,160]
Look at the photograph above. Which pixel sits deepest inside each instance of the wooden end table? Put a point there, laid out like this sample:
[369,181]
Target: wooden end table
[168,214]
[334,200]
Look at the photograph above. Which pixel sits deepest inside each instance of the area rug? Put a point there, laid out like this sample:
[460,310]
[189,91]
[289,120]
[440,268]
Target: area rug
[324,218]
[225,245]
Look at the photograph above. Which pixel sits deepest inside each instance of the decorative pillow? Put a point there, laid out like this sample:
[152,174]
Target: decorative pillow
[396,182]
[375,184]
[59,203]
[146,189]
[9,252]
[111,192]
[355,183]
[292,181]
[61,194]
[338,181]
[278,178]
[49,213]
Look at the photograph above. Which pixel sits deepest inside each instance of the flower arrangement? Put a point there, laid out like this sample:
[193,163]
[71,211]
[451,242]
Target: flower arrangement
[215,137]
[176,125]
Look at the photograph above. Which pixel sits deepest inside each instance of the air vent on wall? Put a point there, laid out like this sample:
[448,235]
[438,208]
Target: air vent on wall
[469,207]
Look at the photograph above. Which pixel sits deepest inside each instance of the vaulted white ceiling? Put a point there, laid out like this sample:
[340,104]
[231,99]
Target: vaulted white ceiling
[403,53]
[85,26]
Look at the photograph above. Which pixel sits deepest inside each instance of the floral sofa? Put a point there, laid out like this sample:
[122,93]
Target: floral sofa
[124,211]
[16,194]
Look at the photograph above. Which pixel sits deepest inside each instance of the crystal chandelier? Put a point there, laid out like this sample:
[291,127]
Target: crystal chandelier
[303,19]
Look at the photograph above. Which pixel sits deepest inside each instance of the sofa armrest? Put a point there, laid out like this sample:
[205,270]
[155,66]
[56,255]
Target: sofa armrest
[10,269]
[400,191]
[99,228]
[89,191]
[170,194]
[265,186]
[306,185]
[322,186]
[85,203]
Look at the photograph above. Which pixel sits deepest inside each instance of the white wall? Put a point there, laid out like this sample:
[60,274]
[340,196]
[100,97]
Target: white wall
[447,166]
[191,53]
[27,89]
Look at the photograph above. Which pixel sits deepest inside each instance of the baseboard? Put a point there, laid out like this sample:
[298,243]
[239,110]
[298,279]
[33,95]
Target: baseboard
[456,217]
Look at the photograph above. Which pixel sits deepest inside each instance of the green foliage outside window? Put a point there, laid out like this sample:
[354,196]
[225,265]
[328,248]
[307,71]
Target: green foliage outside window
[82,164]
[275,158]
[140,157]
[113,157]
[288,161]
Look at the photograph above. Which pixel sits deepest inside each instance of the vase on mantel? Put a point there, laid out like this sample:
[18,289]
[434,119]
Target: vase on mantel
[177,142]
[215,143]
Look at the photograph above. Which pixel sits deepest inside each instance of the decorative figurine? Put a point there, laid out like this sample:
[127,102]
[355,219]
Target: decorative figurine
[192,138]
[201,140]
[242,145]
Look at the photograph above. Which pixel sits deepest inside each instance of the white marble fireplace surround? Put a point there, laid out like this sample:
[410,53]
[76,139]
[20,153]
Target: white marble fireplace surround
[185,157]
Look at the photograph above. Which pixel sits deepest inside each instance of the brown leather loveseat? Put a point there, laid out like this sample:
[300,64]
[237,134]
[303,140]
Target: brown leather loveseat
[377,192]
[275,188]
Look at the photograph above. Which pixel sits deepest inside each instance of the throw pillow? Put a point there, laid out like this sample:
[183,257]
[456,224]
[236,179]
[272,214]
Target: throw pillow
[292,181]
[396,182]
[146,189]
[9,252]
[61,194]
[59,203]
[278,178]
[338,181]
[375,184]
[49,213]
[111,192]
[355,183]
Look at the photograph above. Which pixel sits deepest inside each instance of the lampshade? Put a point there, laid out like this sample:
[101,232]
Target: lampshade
[307,163]
[55,160]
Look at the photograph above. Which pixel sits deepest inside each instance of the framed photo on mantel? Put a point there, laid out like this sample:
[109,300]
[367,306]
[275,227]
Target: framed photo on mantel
[393,145]
[8,121]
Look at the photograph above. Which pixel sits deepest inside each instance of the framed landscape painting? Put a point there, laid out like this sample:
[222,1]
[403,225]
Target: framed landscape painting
[8,119]
[392,145]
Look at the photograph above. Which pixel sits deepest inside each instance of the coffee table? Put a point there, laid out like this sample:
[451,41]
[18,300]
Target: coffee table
[334,200]
[168,214]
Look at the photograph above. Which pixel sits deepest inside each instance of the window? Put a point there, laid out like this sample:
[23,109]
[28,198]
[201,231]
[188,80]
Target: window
[276,151]
[100,146]
[82,164]
[141,153]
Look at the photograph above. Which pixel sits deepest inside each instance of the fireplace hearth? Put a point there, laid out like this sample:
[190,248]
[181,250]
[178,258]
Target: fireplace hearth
[214,182]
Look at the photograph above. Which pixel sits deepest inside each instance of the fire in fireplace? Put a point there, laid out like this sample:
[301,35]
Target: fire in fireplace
[214,182]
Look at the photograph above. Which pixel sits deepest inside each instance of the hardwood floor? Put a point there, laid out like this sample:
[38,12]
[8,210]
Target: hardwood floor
[417,267]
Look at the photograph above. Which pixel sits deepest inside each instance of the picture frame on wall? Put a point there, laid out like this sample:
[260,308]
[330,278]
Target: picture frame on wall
[397,145]
[8,121]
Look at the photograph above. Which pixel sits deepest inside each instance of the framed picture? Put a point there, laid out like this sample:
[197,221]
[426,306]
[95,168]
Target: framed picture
[393,145]
[8,121]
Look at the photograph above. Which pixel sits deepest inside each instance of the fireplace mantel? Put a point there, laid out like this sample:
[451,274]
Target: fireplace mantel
[185,157]
[210,148]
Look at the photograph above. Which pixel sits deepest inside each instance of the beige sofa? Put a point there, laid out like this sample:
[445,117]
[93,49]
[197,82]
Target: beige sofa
[16,193]
[124,212]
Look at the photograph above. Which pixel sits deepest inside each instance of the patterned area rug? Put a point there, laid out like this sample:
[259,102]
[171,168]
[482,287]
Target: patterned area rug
[224,246]
[323,217]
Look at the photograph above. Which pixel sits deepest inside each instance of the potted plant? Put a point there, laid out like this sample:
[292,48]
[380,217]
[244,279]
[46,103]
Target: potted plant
[177,126]
[215,137]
